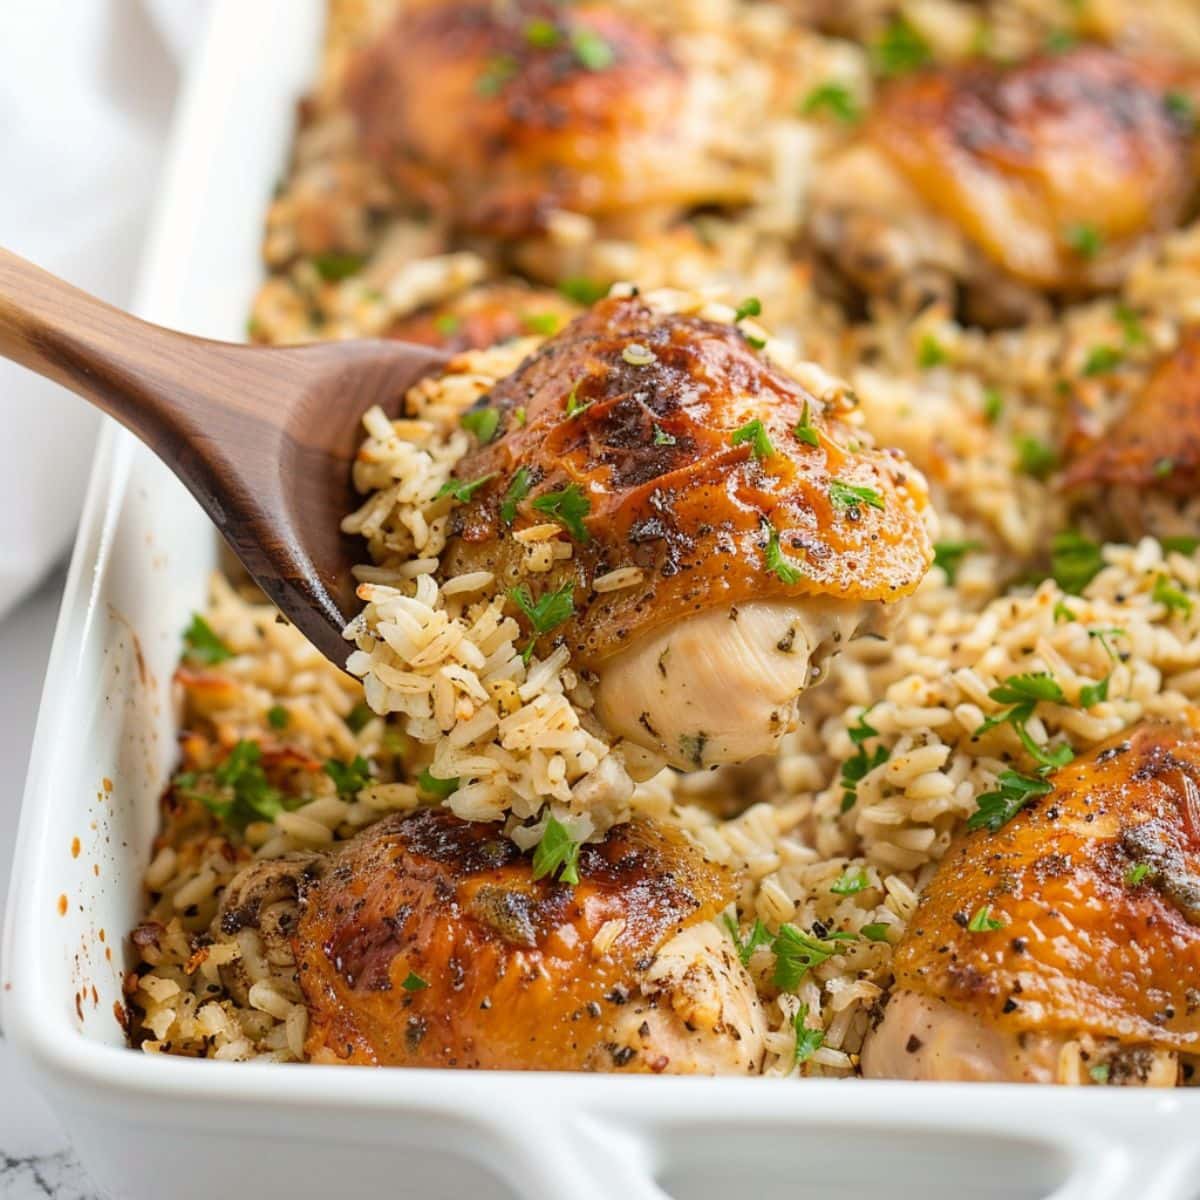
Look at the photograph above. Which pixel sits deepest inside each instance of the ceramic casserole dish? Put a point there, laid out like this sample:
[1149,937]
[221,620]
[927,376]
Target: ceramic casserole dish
[152,1126]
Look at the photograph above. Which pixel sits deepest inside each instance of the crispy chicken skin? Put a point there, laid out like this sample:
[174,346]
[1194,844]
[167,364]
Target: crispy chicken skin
[1052,171]
[427,942]
[656,400]
[1155,443]
[497,115]
[1097,886]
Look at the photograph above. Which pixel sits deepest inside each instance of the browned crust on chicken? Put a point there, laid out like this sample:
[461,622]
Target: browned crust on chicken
[1088,944]
[1056,168]
[668,491]
[513,979]
[497,115]
[1155,443]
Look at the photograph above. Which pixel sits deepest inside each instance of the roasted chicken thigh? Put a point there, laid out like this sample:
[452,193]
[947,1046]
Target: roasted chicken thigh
[1069,936]
[426,941]
[722,526]
[496,116]
[1015,180]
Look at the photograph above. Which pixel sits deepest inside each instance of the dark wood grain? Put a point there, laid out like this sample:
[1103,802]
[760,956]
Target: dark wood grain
[263,437]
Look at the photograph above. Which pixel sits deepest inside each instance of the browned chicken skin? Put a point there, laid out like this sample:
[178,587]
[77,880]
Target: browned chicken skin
[1096,887]
[497,115]
[755,560]
[1155,443]
[1047,174]
[426,942]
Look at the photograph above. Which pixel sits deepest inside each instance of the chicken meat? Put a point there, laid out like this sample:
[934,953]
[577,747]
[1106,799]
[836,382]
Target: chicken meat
[1065,945]
[1011,181]
[723,527]
[427,941]
[497,116]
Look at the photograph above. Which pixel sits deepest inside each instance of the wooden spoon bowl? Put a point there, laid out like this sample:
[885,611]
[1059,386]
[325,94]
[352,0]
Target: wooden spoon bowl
[263,437]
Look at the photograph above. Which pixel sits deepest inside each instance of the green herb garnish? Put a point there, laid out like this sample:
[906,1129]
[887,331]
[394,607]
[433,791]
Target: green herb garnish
[349,778]
[755,433]
[202,643]
[1023,693]
[447,324]
[1084,240]
[931,352]
[662,437]
[949,556]
[1102,359]
[482,422]
[333,267]
[574,405]
[517,490]
[750,307]
[993,405]
[592,51]
[758,936]
[541,34]
[433,786]
[1074,561]
[557,854]
[786,569]
[847,884]
[851,496]
[548,612]
[462,490]
[277,716]
[983,921]
[496,74]
[414,983]
[877,931]
[900,49]
[804,430]
[1099,1073]
[1034,457]
[1179,545]
[833,98]
[808,1041]
[1167,594]
[996,809]
[797,953]
[582,290]
[1136,874]
[568,507]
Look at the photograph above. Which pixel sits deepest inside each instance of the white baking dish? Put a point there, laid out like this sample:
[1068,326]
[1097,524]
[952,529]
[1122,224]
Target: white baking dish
[148,1128]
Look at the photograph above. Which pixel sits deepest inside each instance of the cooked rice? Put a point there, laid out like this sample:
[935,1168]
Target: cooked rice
[441,659]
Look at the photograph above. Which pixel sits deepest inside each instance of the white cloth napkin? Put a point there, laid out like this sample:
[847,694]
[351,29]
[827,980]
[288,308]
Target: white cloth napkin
[85,101]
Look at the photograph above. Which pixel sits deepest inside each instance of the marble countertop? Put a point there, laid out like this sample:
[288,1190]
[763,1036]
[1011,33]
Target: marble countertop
[35,1161]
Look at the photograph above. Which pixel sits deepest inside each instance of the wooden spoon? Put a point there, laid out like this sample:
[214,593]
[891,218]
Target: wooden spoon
[263,437]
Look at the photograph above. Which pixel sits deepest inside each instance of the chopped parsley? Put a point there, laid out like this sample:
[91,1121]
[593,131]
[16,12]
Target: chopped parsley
[637,355]
[755,433]
[277,716]
[540,323]
[808,1041]
[1034,457]
[242,793]
[495,75]
[574,405]
[833,98]
[541,34]
[591,50]
[804,430]
[462,490]
[755,343]
[447,324]
[1062,612]
[797,953]
[1074,561]
[856,768]
[851,496]
[1099,1073]
[482,422]
[333,267]
[414,983]
[358,716]
[787,569]
[750,307]
[662,437]
[1084,240]
[582,290]
[433,786]
[1023,693]
[548,612]
[931,352]
[1179,545]
[983,922]
[568,507]
[995,809]
[1171,597]
[557,854]
[1131,325]
[1091,694]
[993,405]
[349,778]
[900,49]
[877,931]
[517,490]
[1101,360]
[949,556]
[1136,874]
[758,936]
[202,643]
[1182,108]
[847,884]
